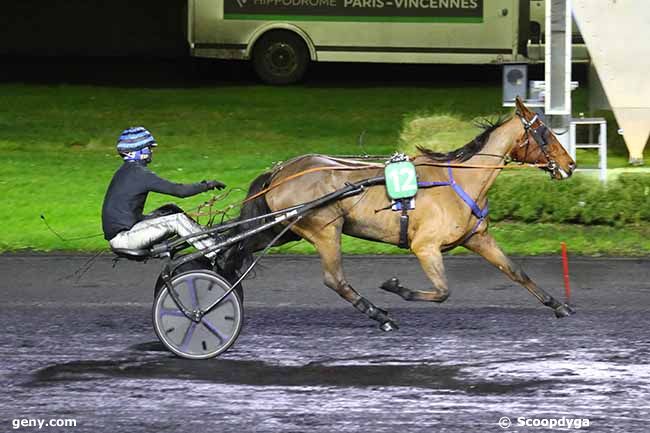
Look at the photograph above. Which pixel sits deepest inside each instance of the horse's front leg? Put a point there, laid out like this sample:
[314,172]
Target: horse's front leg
[485,245]
[430,259]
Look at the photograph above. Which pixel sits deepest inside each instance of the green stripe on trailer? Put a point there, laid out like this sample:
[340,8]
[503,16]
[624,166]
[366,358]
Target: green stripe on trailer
[393,19]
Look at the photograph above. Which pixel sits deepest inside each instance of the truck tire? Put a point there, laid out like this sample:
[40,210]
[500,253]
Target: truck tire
[280,57]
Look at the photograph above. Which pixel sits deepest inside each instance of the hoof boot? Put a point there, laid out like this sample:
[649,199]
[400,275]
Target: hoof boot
[391,285]
[564,310]
[389,326]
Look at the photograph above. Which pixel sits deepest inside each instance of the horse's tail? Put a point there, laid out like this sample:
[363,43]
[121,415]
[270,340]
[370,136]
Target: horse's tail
[241,253]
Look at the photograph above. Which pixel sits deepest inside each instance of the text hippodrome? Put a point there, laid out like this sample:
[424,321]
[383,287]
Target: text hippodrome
[407,4]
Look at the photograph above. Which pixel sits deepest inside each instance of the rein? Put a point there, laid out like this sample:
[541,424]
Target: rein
[209,203]
[302,173]
[480,166]
[539,135]
[271,187]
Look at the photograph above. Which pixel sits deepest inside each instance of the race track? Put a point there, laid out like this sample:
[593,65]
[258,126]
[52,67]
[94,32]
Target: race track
[82,346]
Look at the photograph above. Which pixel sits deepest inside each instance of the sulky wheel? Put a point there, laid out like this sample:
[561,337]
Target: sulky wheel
[199,264]
[206,335]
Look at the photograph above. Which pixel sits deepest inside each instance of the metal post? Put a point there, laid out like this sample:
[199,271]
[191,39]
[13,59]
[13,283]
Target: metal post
[602,151]
[558,69]
[572,140]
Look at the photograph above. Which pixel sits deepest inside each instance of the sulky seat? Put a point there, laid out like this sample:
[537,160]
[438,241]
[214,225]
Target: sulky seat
[137,255]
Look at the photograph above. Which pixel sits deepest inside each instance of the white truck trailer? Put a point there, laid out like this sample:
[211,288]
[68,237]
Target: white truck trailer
[281,37]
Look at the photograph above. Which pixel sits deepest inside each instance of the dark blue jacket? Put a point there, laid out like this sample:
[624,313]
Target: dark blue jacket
[128,191]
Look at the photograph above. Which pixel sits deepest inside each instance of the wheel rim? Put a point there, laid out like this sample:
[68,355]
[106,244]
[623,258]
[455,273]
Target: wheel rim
[281,59]
[214,333]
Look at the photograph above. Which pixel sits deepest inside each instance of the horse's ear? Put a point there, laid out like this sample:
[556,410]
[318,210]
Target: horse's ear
[520,105]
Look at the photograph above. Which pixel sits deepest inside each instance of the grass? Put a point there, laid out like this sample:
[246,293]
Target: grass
[528,239]
[57,148]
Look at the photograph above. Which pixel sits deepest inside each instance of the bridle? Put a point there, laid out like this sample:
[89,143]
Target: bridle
[540,135]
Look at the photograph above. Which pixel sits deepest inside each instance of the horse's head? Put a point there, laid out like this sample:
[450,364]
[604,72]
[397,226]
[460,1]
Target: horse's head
[539,145]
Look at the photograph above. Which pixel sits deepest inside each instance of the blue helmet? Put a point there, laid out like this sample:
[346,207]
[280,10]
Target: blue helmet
[135,144]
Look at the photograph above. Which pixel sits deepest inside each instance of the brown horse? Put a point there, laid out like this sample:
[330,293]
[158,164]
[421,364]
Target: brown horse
[443,219]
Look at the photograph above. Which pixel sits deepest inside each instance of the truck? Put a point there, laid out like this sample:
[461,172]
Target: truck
[281,37]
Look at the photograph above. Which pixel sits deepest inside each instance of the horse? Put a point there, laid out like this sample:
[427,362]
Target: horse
[451,213]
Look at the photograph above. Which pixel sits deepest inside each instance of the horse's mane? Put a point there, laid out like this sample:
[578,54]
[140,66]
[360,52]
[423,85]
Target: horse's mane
[464,153]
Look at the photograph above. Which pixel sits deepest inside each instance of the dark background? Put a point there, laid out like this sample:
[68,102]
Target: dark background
[93,28]
[143,43]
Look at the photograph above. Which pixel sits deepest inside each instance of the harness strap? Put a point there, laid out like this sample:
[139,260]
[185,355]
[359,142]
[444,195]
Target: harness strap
[404,226]
[476,210]
[433,184]
[479,213]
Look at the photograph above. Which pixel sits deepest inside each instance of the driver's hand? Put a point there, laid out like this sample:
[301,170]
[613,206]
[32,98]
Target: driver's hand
[214,184]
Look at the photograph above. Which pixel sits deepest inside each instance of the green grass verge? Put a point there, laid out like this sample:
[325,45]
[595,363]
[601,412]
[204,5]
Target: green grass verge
[527,239]
[57,149]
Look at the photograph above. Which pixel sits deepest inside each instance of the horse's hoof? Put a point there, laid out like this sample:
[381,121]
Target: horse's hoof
[564,310]
[388,326]
[391,285]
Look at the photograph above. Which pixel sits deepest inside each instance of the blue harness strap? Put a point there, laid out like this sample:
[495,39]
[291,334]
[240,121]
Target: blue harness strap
[479,213]
[476,210]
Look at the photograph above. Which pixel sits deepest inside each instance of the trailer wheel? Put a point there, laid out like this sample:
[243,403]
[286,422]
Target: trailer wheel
[280,58]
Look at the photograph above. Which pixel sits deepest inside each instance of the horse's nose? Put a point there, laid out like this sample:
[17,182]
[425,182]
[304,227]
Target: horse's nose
[572,166]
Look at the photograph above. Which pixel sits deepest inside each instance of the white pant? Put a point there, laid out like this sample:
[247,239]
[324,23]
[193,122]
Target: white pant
[147,232]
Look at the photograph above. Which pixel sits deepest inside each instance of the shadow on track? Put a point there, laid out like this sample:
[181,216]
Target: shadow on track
[393,373]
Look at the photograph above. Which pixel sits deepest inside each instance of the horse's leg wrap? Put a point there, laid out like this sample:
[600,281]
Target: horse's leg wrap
[433,295]
[375,313]
[559,308]
[327,243]
[394,286]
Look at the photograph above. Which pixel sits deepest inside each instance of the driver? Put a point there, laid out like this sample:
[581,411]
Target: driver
[125,227]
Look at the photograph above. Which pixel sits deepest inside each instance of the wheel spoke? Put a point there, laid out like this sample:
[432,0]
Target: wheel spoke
[195,298]
[170,312]
[213,329]
[188,336]
[185,337]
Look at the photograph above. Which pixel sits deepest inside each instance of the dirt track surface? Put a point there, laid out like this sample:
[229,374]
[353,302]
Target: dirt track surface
[296,281]
[81,346]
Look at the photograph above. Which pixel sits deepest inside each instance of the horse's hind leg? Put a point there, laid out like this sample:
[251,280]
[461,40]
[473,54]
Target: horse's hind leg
[485,245]
[328,244]
[430,259]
